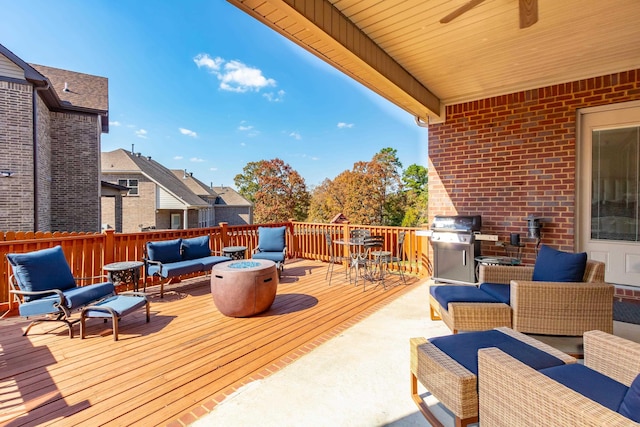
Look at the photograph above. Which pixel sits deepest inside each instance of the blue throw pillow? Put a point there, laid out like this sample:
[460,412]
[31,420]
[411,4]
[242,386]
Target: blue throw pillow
[195,247]
[271,239]
[630,406]
[164,251]
[42,270]
[553,265]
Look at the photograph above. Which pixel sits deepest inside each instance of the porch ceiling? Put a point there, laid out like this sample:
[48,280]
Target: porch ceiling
[399,49]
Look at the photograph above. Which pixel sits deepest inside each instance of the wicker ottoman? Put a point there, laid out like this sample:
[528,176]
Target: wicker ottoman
[455,386]
[244,288]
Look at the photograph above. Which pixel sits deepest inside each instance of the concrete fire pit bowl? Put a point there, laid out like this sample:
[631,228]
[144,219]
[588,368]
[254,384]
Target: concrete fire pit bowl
[244,288]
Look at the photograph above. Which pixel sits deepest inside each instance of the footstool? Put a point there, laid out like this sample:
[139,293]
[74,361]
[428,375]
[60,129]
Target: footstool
[448,366]
[467,308]
[114,307]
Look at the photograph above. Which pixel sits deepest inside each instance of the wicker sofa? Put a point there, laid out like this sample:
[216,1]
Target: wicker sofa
[512,394]
[509,297]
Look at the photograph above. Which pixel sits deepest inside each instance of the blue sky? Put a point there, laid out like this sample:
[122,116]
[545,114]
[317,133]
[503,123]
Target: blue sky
[200,85]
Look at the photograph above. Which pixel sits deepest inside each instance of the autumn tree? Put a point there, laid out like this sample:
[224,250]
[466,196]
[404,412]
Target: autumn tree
[364,194]
[278,192]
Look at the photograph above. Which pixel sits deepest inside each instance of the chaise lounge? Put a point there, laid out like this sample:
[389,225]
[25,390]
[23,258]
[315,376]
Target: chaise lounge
[44,286]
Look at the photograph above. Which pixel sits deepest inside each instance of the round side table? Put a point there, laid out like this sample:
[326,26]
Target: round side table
[234,252]
[124,272]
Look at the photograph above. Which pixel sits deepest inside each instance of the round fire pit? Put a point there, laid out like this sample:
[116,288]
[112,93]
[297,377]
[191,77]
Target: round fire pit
[244,288]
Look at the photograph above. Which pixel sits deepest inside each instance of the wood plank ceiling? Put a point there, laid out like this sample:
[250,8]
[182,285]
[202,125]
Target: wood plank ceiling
[399,48]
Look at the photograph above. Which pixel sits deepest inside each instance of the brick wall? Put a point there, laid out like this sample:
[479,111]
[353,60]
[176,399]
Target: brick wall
[43,156]
[75,180]
[510,156]
[16,155]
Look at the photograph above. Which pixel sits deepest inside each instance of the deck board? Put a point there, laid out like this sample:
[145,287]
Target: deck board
[186,357]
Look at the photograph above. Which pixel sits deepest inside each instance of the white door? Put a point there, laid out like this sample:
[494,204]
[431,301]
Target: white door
[608,184]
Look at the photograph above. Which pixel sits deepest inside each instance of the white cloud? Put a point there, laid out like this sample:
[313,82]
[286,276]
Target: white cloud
[243,144]
[115,123]
[234,76]
[196,160]
[295,135]
[343,125]
[245,128]
[141,133]
[213,169]
[188,132]
[178,158]
[274,97]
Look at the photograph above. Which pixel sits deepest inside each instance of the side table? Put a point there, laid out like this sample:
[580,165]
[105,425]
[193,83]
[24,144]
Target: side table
[124,272]
[234,252]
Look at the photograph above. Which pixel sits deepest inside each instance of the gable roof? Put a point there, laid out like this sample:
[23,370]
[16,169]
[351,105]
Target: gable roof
[401,50]
[230,197]
[122,161]
[198,187]
[87,93]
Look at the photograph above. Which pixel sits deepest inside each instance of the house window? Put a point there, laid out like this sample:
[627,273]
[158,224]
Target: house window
[132,184]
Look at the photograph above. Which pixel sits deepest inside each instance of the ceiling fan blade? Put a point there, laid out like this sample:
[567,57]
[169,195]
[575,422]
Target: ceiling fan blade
[462,9]
[528,13]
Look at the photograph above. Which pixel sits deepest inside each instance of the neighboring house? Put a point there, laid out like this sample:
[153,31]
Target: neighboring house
[51,122]
[232,208]
[158,198]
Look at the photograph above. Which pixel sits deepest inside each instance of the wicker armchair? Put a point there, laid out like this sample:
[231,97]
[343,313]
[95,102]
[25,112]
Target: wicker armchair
[512,394]
[556,308]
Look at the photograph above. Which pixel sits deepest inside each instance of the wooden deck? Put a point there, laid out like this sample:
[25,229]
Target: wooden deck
[176,368]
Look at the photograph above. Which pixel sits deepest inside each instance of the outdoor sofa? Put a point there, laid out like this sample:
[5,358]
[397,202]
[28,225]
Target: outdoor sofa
[172,258]
[563,294]
[604,392]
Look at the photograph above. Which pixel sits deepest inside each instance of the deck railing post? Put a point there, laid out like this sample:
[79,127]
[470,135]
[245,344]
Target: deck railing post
[109,246]
[224,228]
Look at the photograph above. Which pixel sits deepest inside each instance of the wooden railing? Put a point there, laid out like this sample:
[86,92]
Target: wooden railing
[88,252]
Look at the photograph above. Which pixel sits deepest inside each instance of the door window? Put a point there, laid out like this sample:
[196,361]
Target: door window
[614,198]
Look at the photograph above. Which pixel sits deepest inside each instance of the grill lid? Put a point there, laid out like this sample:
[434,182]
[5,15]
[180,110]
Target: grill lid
[457,223]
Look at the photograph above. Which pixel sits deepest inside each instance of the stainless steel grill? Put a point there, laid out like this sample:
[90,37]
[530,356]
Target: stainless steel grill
[455,248]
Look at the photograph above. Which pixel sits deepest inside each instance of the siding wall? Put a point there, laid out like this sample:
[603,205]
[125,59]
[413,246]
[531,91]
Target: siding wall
[16,155]
[510,156]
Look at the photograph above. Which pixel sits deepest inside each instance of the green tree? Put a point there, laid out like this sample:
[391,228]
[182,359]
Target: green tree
[415,179]
[277,191]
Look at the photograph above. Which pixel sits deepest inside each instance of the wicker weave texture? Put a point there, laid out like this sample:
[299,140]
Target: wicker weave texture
[512,394]
[471,316]
[561,308]
[612,356]
[451,383]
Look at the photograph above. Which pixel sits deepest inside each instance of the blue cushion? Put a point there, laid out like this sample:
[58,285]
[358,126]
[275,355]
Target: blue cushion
[75,298]
[209,261]
[271,239]
[630,406]
[589,383]
[273,256]
[195,247]
[553,265]
[121,304]
[164,251]
[174,269]
[499,291]
[459,293]
[42,270]
[463,348]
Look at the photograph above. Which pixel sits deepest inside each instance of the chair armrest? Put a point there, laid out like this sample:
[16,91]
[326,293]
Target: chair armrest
[504,273]
[615,357]
[23,294]
[511,392]
[561,308]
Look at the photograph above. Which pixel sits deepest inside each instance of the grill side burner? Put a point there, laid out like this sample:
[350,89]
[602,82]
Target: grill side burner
[455,248]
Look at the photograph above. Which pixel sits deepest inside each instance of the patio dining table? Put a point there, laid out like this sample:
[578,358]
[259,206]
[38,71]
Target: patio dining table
[355,248]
